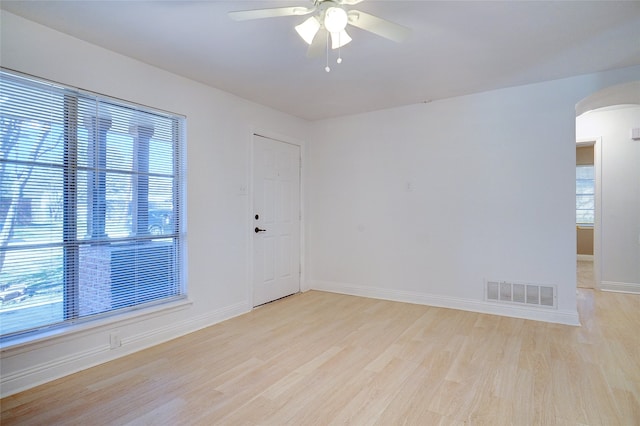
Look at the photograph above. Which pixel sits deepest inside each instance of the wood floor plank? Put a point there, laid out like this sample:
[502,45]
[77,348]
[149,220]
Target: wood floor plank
[321,358]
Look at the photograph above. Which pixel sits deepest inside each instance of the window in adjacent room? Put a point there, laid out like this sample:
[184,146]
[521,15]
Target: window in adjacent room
[90,206]
[585,194]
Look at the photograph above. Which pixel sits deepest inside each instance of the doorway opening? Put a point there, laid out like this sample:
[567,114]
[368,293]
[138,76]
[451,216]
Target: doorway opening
[587,203]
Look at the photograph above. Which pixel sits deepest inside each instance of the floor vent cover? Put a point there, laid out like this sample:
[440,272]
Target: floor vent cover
[521,294]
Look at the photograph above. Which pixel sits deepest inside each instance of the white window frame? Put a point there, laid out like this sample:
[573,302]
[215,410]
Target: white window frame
[593,194]
[176,234]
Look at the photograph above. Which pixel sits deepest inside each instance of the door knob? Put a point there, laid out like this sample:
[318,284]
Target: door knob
[259,230]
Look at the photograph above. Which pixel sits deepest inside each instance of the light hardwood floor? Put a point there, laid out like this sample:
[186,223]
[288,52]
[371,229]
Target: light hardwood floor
[585,276]
[320,358]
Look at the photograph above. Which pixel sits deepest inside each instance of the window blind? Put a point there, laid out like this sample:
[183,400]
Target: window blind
[90,198]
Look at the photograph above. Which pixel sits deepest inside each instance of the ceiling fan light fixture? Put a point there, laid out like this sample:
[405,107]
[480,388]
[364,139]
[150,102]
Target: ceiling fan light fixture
[335,19]
[339,39]
[308,29]
[325,28]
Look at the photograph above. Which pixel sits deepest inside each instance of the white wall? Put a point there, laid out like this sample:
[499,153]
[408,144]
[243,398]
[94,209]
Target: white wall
[425,202]
[219,135]
[620,186]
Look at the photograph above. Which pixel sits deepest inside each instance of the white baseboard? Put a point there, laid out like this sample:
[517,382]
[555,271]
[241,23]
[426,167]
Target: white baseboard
[585,257]
[620,287]
[514,311]
[17,381]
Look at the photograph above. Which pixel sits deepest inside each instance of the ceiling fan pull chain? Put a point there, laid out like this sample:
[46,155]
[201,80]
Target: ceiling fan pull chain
[339,60]
[327,69]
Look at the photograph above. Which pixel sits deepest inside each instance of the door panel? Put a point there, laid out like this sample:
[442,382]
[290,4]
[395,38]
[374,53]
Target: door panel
[276,202]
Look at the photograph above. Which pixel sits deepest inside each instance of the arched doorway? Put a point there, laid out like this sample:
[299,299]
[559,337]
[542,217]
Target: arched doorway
[608,118]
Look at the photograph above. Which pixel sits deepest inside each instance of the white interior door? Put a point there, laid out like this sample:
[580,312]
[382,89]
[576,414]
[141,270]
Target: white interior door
[276,219]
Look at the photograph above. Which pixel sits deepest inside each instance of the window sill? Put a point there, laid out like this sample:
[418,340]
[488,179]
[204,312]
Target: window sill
[584,226]
[20,344]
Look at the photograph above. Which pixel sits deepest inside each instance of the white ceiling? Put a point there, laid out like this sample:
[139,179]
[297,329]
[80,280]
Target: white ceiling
[457,47]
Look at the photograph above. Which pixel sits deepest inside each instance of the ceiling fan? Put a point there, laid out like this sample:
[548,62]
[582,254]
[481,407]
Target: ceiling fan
[329,19]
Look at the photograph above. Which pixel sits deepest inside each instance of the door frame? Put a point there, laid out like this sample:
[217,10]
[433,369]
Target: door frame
[250,205]
[596,142]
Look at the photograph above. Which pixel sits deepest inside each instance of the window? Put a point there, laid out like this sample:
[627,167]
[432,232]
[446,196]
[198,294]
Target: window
[90,197]
[585,194]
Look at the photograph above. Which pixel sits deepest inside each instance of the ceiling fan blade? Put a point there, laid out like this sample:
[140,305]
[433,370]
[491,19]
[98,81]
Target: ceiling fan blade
[245,15]
[379,26]
[319,44]
[350,2]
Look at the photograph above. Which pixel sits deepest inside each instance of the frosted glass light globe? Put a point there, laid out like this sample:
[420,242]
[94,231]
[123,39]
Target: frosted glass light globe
[335,19]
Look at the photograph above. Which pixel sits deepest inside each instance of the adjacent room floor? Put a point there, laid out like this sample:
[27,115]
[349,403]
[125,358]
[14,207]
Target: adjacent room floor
[585,274]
